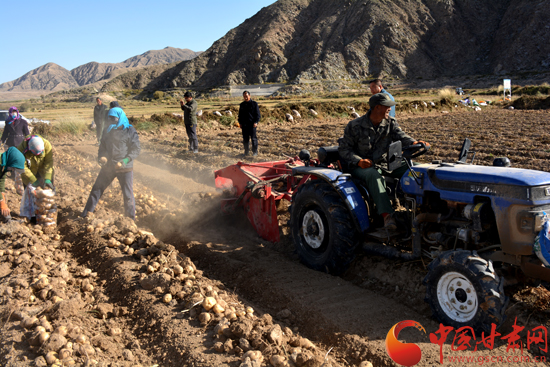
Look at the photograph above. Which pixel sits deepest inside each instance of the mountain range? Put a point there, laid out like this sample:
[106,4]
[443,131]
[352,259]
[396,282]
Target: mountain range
[52,77]
[341,40]
[304,40]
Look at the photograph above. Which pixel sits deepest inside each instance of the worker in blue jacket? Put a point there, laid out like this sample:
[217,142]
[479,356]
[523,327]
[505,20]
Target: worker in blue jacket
[118,149]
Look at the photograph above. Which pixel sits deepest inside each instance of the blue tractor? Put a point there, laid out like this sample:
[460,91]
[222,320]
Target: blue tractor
[466,218]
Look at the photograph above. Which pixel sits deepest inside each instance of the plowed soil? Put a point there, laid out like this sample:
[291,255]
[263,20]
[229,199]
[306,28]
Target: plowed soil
[306,318]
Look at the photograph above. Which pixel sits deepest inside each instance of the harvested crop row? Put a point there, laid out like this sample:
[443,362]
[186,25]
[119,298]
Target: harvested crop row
[110,291]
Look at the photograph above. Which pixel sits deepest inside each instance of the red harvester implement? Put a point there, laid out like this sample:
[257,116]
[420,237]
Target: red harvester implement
[257,187]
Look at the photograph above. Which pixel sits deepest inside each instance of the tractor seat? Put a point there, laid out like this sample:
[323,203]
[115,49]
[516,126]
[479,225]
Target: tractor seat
[330,155]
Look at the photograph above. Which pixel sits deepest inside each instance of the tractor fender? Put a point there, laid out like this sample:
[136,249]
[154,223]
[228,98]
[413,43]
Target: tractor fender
[345,187]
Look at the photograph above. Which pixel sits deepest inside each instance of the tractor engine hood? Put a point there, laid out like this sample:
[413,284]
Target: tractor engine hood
[489,175]
[499,181]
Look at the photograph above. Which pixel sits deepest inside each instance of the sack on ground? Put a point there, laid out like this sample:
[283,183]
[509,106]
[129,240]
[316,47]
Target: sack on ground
[28,203]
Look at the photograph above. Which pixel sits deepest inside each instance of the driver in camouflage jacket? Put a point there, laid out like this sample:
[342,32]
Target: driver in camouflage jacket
[365,144]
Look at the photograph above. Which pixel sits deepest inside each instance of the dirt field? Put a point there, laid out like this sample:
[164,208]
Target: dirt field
[106,299]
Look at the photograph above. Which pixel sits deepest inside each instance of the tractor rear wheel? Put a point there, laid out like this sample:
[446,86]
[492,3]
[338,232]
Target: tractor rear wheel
[463,289]
[322,228]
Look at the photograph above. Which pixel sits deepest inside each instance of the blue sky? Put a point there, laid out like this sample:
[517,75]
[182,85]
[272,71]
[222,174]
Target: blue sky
[72,33]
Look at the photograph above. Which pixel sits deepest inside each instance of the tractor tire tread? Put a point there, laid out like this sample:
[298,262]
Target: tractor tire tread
[489,288]
[341,250]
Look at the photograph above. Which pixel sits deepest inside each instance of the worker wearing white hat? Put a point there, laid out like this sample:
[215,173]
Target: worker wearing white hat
[39,161]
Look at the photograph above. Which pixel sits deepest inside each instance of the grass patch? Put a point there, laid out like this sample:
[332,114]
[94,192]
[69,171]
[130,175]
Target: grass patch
[447,94]
[227,120]
[156,121]
[166,119]
[145,125]
[63,127]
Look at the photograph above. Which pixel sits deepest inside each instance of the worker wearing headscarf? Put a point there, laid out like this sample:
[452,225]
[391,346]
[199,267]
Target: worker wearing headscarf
[16,128]
[117,117]
[11,160]
[118,149]
[39,155]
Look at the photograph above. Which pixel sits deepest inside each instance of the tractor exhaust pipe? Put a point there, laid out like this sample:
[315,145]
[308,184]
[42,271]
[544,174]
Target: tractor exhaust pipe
[393,253]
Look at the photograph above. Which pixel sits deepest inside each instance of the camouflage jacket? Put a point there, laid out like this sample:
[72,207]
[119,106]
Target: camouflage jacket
[362,140]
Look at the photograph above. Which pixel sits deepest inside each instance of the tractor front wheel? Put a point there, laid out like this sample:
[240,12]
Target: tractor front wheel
[463,289]
[322,228]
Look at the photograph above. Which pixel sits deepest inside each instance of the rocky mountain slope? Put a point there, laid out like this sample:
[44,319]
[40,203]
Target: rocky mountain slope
[49,77]
[52,77]
[93,71]
[295,40]
[156,57]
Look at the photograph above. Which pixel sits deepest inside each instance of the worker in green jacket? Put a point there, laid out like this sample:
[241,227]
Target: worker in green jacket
[39,168]
[11,160]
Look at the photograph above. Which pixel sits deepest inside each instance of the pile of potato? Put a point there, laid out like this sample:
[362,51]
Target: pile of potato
[119,231]
[147,204]
[238,330]
[42,285]
[46,212]
[60,346]
[178,283]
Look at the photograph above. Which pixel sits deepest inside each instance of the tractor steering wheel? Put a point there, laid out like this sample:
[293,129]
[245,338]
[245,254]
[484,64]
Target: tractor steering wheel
[415,150]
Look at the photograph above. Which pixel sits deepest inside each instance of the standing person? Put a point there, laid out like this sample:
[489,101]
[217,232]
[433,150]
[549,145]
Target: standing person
[12,160]
[376,87]
[189,108]
[118,149]
[249,116]
[365,143]
[100,115]
[39,168]
[15,130]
